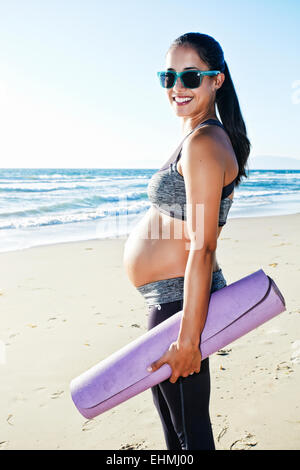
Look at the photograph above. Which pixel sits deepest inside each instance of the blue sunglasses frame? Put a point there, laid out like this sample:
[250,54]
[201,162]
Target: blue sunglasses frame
[200,73]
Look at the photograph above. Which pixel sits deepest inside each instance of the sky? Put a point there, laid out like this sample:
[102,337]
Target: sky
[78,84]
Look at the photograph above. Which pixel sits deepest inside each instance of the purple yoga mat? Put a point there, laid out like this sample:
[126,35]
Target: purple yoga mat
[233,311]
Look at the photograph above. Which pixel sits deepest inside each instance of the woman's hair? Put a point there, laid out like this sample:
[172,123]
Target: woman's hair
[210,51]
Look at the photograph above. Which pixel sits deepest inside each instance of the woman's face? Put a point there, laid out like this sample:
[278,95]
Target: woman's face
[182,58]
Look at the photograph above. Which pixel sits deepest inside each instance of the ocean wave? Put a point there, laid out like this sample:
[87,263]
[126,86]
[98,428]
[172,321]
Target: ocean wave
[45,187]
[37,218]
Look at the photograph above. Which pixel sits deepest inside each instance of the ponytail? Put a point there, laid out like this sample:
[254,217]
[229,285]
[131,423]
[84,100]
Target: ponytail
[231,117]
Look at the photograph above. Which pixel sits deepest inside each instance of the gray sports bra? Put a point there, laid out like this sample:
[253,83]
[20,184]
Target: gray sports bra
[166,188]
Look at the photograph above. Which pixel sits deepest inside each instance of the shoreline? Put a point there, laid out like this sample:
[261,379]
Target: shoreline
[124,237]
[67,305]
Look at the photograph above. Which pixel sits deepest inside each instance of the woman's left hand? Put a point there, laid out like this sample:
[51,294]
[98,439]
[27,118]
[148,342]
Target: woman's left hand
[183,357]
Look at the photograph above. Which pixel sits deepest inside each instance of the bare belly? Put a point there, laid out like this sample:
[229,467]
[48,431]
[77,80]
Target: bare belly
[157,248]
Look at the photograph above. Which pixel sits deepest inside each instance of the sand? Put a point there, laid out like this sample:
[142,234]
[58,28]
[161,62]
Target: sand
[64,307]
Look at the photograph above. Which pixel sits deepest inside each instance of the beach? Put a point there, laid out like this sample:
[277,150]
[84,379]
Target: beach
[66,306]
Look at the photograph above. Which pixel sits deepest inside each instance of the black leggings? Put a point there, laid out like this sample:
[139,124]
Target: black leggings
[183,406]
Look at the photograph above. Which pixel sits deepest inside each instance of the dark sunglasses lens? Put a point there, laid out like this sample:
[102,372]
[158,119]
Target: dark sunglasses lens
[191,79]
[166,79]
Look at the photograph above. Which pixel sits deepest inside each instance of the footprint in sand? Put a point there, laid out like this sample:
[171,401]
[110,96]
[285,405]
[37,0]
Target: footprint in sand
[245,443]
[39,389]
[221,433]
[57,394]
[223,352]
[223,426]
[89,425]
[9,418]
[12,335]
[283,369]
[137,445]
[53,320]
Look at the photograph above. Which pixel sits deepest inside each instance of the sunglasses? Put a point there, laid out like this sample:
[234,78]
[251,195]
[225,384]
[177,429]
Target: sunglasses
[189,78]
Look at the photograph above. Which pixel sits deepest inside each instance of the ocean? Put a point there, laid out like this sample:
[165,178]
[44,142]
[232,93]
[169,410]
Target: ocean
[41,206]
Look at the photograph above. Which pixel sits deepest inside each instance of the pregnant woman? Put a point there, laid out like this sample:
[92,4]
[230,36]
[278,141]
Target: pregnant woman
[170,256]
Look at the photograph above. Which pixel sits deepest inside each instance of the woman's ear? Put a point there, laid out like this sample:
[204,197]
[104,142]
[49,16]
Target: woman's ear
[219,80]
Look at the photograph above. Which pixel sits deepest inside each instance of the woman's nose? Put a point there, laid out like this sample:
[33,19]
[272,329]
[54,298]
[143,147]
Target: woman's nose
[178,85]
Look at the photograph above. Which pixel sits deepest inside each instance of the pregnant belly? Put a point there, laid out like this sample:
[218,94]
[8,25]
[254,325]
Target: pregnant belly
[156,249]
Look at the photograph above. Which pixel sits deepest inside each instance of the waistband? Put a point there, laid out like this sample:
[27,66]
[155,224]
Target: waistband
[170,290]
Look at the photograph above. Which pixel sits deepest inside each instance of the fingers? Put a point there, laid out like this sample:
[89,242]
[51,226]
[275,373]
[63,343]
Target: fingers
[175,374]
[179,368]
[156,364]
[173,378]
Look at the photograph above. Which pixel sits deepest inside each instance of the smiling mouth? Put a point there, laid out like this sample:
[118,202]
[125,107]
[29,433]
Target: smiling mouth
[180,101]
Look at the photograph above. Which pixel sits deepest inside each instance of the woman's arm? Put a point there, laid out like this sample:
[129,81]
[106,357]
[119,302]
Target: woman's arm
[203,169]
[197,285]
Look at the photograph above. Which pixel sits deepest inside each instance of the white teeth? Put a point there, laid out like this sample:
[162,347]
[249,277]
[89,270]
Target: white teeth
[181,100]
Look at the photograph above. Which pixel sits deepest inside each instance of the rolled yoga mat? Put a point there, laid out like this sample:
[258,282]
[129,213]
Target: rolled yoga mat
[233,311]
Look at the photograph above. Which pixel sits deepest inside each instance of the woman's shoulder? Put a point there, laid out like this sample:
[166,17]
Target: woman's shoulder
[204,143]
[207,143]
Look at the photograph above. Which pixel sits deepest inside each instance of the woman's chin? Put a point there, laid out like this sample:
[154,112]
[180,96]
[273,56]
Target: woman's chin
[178,112]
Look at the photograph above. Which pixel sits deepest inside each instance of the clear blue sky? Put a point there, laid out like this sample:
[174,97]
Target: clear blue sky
[78,85]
